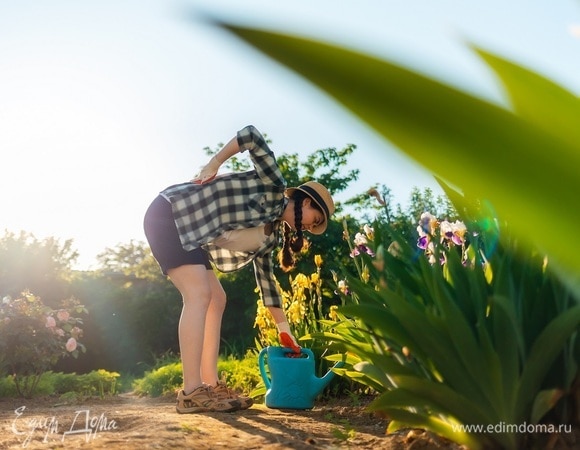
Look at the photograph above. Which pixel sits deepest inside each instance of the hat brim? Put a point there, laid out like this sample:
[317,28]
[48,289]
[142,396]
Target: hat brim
[320,228]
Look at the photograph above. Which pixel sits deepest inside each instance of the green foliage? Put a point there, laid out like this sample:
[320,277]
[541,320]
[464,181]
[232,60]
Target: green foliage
[242,374]
[99,383]
[160,381]
[35,337]
[489,336]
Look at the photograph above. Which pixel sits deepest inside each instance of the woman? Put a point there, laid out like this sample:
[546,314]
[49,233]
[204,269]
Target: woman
[230,220]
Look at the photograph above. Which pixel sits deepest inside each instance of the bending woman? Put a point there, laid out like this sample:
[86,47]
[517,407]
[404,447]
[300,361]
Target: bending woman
[228,221]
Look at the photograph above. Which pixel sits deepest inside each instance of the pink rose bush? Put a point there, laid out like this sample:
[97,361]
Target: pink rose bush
[64,328]
[35,336]
[71,344]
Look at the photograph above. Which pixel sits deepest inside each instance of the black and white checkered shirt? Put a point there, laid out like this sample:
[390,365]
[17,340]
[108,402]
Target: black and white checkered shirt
[202,212]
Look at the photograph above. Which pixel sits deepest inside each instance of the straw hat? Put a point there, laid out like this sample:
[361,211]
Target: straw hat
[319,195]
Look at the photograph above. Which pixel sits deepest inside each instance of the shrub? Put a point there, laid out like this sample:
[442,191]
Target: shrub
[242,375]
[98,382]
[160,381]
[35,337]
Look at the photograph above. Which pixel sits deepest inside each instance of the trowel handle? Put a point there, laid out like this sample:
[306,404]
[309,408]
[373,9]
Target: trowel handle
[263,368]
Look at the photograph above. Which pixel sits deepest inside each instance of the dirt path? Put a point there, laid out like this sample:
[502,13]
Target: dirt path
[130,422]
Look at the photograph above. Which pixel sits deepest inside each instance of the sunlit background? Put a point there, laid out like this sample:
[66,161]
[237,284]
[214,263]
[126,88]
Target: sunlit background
[104,103]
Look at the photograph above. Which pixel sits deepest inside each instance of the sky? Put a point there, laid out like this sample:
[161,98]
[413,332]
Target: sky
[103,103]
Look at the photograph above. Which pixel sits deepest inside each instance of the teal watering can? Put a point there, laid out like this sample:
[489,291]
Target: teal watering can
[292,382]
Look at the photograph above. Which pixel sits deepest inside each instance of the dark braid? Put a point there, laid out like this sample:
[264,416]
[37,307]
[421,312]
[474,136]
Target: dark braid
[293,245]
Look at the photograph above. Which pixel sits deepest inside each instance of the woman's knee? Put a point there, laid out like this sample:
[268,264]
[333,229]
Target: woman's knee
[193,284]
[197,297]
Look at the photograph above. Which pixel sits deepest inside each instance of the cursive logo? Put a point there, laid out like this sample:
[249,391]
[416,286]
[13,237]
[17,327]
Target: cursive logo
[43,428]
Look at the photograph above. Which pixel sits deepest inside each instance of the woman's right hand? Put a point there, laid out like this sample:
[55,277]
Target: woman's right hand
[288,341]
[208,173]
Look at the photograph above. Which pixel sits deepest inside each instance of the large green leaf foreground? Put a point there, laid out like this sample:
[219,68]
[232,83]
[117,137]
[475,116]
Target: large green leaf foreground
[524,160]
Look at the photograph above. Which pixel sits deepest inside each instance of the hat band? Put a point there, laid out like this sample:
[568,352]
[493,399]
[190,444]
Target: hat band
[312,193]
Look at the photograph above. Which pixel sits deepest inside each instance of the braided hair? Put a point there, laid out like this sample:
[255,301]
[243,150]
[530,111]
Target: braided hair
[293,242]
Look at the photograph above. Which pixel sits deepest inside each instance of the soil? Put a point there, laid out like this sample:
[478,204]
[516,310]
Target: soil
[131,422]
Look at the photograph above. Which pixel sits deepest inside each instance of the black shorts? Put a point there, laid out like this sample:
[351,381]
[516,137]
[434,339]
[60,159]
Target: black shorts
[163,238]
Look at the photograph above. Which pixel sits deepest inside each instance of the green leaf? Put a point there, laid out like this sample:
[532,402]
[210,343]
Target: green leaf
[544,402]
[522,168]
[385,322]
[509,346]
[374,373]
[413,392]
[401,419]
[539,100]
[542,354]
[432,338]
[469,352]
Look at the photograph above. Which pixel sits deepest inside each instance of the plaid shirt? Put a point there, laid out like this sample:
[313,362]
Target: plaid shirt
[234,201]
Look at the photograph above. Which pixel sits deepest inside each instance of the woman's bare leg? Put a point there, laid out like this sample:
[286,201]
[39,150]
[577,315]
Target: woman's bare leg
[195,287]
[212,337]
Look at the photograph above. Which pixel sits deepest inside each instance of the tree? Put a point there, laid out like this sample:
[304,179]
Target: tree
[131,259]
[40,266]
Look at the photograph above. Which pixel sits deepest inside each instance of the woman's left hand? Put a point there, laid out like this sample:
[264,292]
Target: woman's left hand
[208,173]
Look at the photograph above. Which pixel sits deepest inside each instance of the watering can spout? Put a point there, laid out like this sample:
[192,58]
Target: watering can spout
[318,384]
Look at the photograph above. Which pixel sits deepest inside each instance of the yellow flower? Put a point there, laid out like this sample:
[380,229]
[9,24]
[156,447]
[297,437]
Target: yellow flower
[263,318]
[301,281]
[365,274]
[318,260]
[296,312]
[315,278]
[333,313]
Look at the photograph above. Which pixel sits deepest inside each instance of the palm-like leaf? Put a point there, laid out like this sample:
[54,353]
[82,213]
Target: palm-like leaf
[524,161]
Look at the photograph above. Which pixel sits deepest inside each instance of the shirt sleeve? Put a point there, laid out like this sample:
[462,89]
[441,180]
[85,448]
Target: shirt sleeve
[249,138]
[266,281]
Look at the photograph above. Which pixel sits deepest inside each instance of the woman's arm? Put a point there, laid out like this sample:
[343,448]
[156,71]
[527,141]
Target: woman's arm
[227,151]
[268,286]
[263,159]
[211,168]
[284,327]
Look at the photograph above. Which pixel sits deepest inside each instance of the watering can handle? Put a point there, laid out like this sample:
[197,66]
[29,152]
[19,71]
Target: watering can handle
[263,368]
